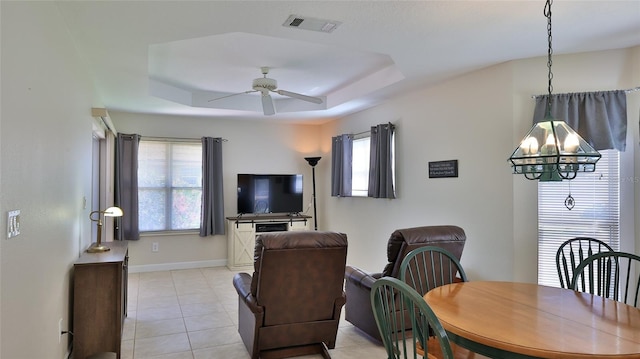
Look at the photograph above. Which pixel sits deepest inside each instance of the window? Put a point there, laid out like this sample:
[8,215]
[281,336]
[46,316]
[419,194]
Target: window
[169,185]
[360,166]
[364,165]
[596,213]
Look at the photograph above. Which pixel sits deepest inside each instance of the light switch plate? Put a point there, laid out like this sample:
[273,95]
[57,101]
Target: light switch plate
[13,223]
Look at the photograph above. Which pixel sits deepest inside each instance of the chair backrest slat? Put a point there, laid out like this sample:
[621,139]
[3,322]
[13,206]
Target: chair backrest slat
[429,267]
[572,252]
[616,276]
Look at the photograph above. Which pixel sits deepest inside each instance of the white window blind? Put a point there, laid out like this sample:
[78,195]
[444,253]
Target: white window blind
[596,213]
[169,185]
[360,166]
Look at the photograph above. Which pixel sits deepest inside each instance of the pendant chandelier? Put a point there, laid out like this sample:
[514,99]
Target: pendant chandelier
[552,151]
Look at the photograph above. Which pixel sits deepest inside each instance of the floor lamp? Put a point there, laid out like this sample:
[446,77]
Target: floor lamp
[313,161]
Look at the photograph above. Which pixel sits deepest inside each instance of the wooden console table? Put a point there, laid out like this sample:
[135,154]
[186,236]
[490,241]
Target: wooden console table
[100,300]
[242,231]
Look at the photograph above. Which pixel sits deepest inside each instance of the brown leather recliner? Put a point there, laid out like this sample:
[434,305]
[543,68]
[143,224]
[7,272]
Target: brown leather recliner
[291,305]
[402,241]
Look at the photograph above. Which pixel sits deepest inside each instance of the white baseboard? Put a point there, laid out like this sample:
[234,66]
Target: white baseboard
[176,266]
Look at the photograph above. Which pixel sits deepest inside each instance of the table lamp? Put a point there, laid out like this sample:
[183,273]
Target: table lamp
[109,212]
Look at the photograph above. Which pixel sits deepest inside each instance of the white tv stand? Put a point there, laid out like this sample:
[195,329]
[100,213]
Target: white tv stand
[242,231]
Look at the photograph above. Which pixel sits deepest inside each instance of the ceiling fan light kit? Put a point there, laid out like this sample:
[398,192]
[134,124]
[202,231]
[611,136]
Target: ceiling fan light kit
[265,85]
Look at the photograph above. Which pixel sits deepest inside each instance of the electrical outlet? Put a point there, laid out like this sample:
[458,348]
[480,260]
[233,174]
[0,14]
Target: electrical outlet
[154,247]
[60,331]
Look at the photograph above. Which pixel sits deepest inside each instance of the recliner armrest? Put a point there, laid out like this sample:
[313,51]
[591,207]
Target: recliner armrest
[360,277]
[338,304]
[242,283]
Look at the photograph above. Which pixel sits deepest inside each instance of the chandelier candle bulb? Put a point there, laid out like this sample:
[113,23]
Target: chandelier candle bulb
[571,143]
[533,146]
[549,147]
[530,149]
[530,146]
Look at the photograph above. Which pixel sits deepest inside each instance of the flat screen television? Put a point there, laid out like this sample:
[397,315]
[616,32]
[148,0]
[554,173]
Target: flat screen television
[269,193]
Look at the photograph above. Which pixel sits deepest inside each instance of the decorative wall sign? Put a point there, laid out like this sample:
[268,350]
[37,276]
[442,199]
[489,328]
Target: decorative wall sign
[443,169]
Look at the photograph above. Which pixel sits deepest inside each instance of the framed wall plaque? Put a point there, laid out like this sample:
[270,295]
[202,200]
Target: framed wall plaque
[443,169]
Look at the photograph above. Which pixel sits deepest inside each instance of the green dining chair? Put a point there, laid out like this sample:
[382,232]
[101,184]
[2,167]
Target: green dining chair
[429,267]
[572,252]
[390,296]
[613,275]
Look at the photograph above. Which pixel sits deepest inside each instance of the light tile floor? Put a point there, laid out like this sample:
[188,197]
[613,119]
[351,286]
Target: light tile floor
[193,314]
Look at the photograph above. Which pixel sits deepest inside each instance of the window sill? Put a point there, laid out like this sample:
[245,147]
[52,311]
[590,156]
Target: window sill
[170,233]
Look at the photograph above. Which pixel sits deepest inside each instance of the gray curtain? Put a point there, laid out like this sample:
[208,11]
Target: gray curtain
[381,162]
[126,186]
[341,158]
[212,214]
[598,117]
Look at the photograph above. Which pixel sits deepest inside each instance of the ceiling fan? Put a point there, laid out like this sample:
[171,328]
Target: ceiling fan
[265,85]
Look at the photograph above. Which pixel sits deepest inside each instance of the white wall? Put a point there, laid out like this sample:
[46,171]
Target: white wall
[45,157]
[251,147]
[468,119]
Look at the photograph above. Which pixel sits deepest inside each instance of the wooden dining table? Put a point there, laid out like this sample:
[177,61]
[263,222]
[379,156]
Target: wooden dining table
[524,320]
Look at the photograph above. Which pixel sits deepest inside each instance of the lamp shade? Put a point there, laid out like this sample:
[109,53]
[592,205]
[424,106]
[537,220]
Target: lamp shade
[313,160]
[553,151]
[113,212]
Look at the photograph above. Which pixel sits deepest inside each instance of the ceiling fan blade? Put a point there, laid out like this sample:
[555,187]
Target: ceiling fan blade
[233,94]
[299,96]
[267,105]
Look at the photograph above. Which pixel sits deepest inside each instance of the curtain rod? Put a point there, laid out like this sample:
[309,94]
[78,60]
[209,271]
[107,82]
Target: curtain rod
[368,131]
[568,93]
[176,139]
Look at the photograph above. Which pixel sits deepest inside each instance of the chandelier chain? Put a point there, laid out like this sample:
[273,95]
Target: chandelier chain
[547,14]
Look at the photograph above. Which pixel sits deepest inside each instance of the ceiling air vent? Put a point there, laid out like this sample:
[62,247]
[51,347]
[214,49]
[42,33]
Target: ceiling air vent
[309,23]
[296,22]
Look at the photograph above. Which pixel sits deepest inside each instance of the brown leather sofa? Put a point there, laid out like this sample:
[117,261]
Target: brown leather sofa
[291,305]
[402,241]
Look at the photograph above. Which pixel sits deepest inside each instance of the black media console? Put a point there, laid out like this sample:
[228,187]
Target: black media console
[271,227]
